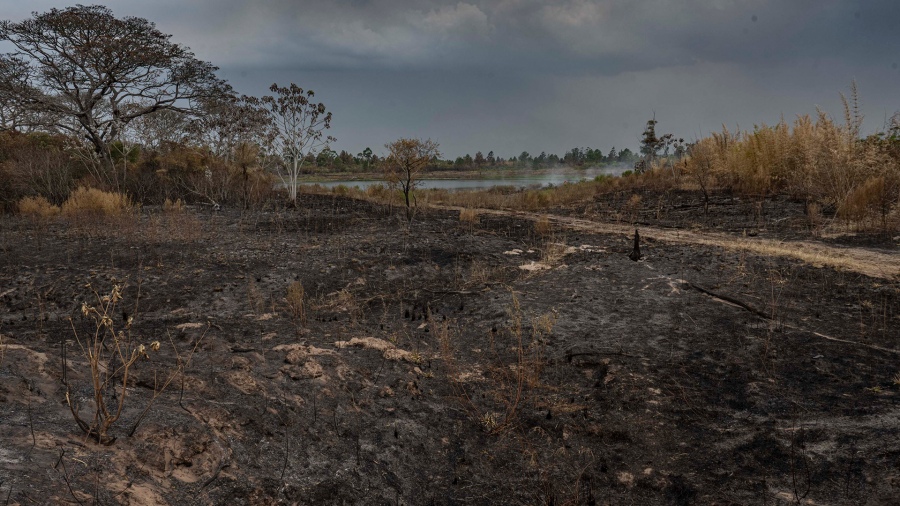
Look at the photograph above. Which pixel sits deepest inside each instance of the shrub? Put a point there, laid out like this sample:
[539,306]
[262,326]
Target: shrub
[91,201]
[37,207]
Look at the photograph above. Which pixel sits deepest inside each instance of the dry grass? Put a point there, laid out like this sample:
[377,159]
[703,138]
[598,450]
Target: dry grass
[815,158]
[296,302]
[38,208]
[91,201]
[542,226]
[512,381]
[171,207]
[468,216]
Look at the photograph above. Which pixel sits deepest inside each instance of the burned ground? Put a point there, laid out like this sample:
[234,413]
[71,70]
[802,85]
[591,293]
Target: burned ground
[453,363]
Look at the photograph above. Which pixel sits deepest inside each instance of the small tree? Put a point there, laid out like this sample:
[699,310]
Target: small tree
[299,126]
[405,163]
[649,145]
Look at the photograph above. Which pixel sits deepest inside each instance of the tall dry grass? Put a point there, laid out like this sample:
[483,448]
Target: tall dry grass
[815,158]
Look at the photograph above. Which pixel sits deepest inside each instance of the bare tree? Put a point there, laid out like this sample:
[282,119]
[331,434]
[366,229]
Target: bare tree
[95,73]
[298,130]
[406,162]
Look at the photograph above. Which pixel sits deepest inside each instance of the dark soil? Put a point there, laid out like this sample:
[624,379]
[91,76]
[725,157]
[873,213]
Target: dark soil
[432,368]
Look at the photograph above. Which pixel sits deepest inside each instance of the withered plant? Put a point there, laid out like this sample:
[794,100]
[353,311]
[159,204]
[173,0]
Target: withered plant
[111,354]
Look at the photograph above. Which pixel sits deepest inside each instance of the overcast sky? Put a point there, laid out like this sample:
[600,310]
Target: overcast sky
[514,75]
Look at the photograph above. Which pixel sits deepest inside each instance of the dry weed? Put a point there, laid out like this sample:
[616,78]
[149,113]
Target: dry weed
[255,298]
[296,302]
[110,354]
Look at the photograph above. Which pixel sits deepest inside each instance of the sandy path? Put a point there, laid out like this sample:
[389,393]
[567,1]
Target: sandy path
[870,262]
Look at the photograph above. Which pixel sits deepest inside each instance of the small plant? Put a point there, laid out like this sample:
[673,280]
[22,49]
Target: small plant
[110,353]
[296,302]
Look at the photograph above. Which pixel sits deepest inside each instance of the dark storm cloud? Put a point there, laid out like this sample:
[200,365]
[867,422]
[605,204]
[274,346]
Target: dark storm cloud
[527,74]
[576,36]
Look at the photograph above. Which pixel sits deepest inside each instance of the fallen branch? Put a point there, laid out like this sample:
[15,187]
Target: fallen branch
[732,300]
[766,316]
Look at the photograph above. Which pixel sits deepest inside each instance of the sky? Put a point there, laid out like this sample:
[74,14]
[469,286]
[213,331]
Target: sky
[525,75]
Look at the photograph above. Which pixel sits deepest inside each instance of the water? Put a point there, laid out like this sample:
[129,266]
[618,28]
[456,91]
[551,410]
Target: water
[556,178]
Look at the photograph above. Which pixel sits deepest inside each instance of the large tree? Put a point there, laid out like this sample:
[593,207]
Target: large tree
[94,73]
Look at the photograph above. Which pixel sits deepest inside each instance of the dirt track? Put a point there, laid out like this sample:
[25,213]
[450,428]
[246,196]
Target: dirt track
[867,261]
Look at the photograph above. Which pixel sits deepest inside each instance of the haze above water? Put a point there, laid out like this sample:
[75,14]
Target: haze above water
[523,179]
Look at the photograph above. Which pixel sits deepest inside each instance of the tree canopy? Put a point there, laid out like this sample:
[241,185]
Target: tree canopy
[84,71]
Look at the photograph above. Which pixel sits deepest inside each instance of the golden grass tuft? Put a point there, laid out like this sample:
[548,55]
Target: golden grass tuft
[296,301]
[91,201]
[468,215]
[37,207]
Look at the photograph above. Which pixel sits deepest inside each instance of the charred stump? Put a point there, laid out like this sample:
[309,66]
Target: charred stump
[636,252]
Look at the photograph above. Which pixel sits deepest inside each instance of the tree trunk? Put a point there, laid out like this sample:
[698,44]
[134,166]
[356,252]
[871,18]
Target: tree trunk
[636,252]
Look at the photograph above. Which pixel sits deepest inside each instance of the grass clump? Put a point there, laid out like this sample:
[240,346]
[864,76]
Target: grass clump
[296,301]
[469,216]
[37,207]
[91,201]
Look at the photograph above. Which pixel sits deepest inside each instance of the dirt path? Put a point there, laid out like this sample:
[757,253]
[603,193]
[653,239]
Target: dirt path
[870,262]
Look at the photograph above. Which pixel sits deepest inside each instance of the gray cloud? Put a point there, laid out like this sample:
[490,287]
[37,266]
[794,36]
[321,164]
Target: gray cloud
[510,75]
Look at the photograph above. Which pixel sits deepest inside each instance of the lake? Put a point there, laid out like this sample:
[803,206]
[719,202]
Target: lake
[523,180]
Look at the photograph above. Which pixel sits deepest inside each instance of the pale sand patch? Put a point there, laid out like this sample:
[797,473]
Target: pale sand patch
[186,326]
[388,350]
[534,266]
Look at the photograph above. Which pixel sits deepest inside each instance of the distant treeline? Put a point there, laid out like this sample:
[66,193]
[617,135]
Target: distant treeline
[366,161]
